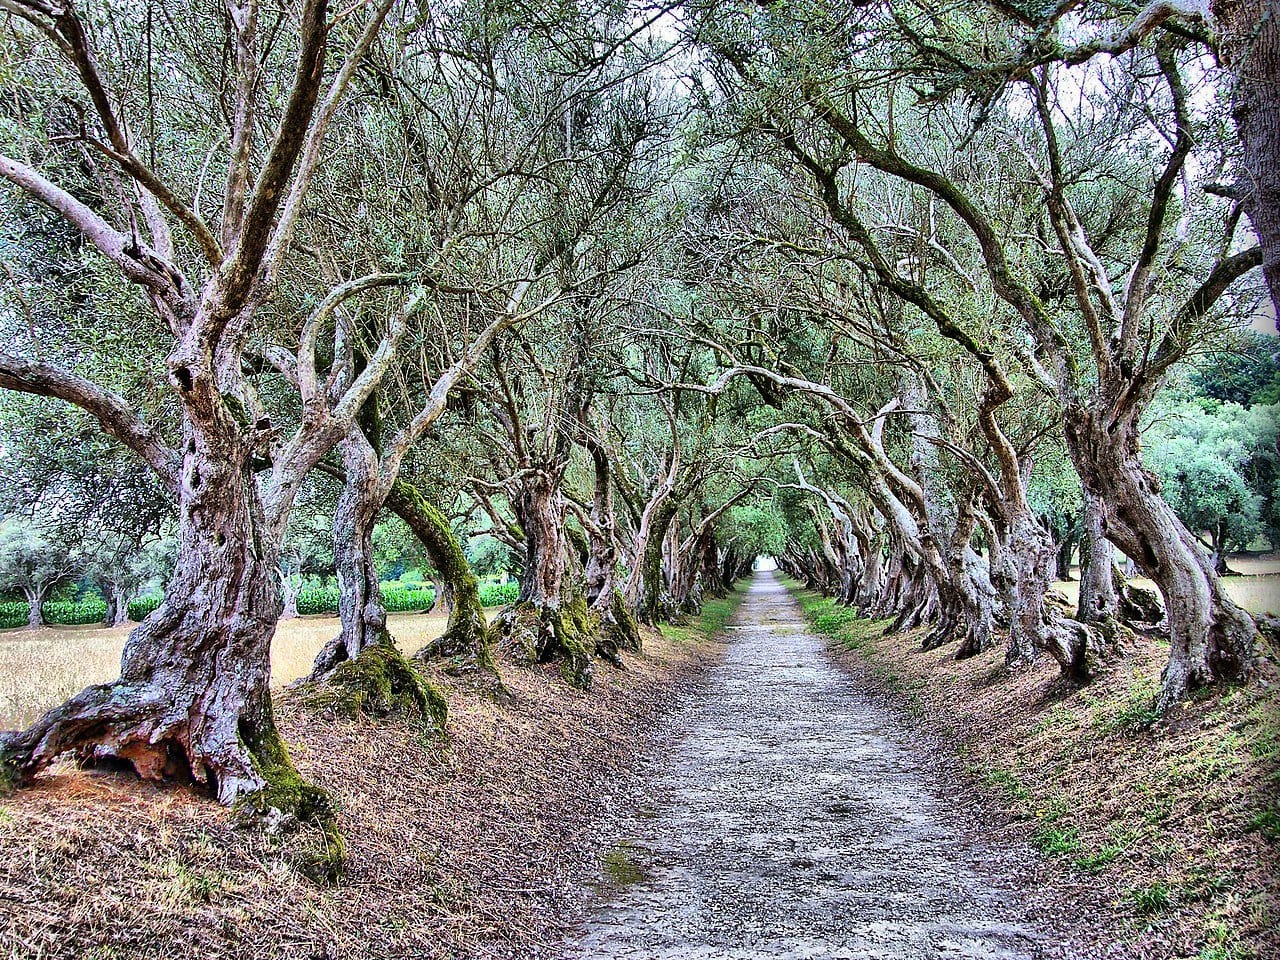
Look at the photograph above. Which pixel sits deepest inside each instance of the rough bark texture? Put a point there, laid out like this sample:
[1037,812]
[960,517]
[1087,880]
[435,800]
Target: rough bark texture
[1210,637]
[1249,43]
[1098,600]
[546,623]
[360,607]
[192,701]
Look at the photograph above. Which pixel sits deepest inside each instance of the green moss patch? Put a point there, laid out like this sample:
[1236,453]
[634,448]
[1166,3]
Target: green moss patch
[381,683]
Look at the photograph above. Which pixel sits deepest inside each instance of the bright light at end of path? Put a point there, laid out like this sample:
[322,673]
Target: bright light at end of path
[765,563]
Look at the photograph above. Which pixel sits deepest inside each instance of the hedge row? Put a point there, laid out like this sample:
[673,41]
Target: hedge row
[13,613]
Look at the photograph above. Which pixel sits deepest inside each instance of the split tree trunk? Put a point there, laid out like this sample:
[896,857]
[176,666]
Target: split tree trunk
[35,605]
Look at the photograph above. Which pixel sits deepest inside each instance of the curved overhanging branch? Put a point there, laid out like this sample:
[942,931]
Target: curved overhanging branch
[116,416]
[140,263]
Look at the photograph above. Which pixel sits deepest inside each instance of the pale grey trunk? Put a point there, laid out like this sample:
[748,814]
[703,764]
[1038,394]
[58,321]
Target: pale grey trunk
[361,611]
[1098,600]
[35,605]
[120,600]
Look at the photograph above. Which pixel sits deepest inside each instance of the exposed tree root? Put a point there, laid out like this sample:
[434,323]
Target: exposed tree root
[286,802]
[246,765]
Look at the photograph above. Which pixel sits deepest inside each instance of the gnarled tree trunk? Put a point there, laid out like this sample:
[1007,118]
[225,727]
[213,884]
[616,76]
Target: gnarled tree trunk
[35,596]
[1099,602]
[1210,637]
[193,698]
[361,610]
[546,622]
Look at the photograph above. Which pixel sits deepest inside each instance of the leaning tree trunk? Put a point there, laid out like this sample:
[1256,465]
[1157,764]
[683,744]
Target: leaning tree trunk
[1210,637]
[466,634]
[193,697]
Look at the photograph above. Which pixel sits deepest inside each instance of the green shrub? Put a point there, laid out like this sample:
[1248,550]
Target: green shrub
[493,594]
[74,612]
[408,598]
[141,608]
[13,613]
[311,600]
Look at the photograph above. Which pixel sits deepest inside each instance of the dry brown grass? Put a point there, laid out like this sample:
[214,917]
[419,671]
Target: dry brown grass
[476,847]
[40,668]
[451,846]
[1168,821]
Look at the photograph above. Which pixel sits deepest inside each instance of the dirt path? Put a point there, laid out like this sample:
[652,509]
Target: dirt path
[791,823]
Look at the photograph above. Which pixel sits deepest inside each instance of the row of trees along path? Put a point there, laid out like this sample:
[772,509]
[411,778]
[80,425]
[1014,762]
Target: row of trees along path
[635,300]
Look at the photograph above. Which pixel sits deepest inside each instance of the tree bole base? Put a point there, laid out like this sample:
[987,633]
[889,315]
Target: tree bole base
[465,644]
[379,683]
[243,762]
[543,634]
[618,630]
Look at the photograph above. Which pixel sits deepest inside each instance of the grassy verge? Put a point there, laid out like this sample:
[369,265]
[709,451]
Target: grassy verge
[1177,820]
[707,622]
